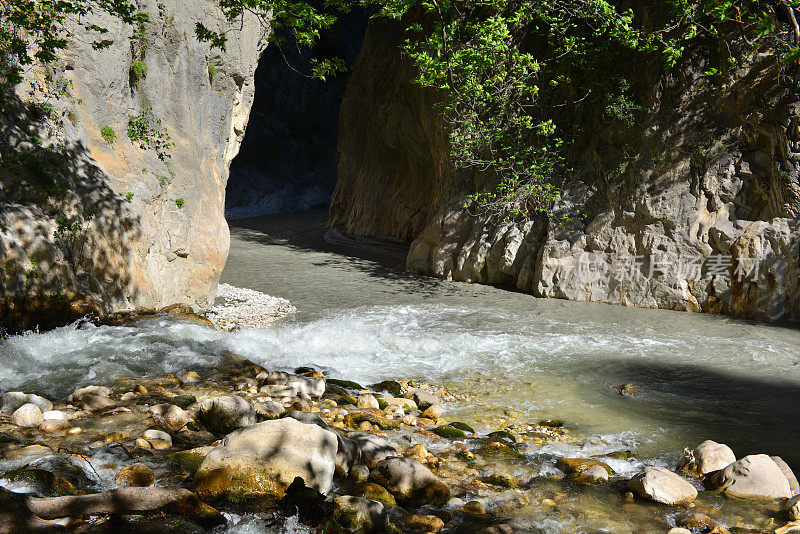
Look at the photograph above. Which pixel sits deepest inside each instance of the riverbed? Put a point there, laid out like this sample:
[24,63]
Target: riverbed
[360,317]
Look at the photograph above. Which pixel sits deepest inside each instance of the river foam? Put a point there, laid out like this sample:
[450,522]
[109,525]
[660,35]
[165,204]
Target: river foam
[702,378]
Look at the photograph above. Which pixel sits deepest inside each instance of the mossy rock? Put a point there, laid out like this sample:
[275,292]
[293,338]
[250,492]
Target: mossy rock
[575,466]
[382,404]
[449,432]
[375,492]
[189,460]
[621,455]
[344,383]
[372,416]
[301,370]
[339,394]
[462,426]
[44,483]
[392,387]
[498,451]
[502,435]
[502,481]
[552,423]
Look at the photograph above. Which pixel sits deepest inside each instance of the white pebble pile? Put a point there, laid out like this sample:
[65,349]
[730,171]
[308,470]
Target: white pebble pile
[237,307]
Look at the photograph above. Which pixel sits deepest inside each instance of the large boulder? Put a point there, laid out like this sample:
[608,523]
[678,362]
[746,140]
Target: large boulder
[348,453]
[754,476]
[794,486]
[662,485]
[373,448]
[222,415]
[410,482]
[14,399]
[264,459]
[707,457]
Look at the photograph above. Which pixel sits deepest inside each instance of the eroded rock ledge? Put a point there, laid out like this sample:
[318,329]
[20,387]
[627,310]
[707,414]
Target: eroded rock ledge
[709,172]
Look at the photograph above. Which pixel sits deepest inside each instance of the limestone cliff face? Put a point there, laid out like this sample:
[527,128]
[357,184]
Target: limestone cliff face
[95,224]
[707,175]
[393,153]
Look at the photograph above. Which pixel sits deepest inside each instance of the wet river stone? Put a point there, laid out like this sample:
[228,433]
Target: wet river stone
[662,486]
[171,417]
[264,459]
[410,482]
[222,415]
[756,475]
[373,448]
[358,515]
[136,476]
[348,453]
[707,457]
[424,398]
[27,416]
[12,400]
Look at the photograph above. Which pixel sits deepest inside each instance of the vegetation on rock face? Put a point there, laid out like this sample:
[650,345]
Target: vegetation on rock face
[108,134]
[145,128]
[509,71]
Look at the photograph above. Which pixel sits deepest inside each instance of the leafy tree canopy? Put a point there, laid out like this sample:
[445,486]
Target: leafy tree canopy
[498,63]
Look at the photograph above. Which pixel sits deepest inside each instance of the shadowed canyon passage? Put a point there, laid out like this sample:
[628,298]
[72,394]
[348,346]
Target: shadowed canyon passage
[288,158]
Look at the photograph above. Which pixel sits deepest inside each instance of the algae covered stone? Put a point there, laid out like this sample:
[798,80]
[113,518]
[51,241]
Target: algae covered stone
[264,459]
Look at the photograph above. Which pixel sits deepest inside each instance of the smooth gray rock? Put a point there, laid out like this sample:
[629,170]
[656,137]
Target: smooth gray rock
[14,399]
[424,399]
[373,448]
[264,459]
[367,400]
[662,486]
[788,473]
[269,409]
[410,482]
[222,415]
[707,457]
[348,452]
[754,476]
[592,475]
[278,390]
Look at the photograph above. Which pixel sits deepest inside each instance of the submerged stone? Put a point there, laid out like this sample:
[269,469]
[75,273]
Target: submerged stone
[449,432]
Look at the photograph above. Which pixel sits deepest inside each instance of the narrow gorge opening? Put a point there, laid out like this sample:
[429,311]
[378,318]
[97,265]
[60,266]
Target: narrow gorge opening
[288,159]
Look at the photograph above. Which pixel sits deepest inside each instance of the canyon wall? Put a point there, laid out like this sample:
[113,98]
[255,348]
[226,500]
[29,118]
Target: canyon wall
[694,208]
[393,168]
[92,220]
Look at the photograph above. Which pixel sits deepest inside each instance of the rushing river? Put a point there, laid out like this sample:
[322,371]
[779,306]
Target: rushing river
[360,317]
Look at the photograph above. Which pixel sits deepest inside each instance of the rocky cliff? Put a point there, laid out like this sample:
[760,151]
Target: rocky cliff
[95,219]
[393,167]
[694,208]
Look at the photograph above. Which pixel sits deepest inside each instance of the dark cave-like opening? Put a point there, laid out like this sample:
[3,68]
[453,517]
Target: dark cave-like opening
[288,159]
